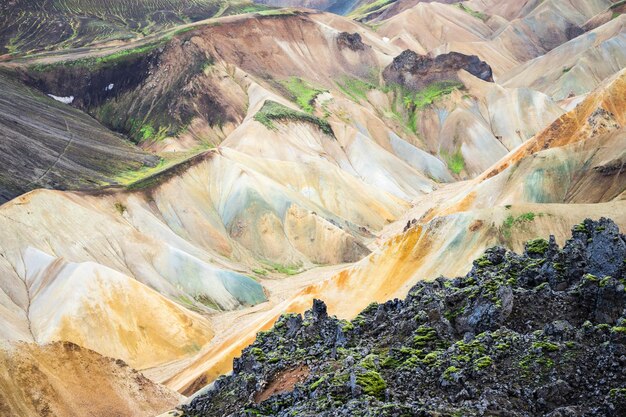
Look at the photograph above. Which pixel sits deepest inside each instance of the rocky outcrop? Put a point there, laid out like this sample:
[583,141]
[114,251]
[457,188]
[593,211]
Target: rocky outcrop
[542,333]
[350,41]
[416,72]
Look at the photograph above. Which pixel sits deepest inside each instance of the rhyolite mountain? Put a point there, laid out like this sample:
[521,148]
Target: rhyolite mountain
[541,333]
[177,174]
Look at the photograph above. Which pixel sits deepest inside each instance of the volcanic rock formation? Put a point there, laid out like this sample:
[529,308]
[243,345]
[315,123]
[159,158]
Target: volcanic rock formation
[415,71]
[542,333]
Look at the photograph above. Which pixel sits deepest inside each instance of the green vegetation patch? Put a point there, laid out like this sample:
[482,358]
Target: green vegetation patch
[511,221]
[302,92]
[455,161]
[277,12]
[102,61]
[144,176]
[284,269]
[367,9]
[430,94]
[259,271]
[273,111]
[355,88]
[476,14]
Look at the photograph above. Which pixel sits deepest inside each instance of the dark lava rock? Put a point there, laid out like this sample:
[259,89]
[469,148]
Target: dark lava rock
[351,41]
[416,72]
[537,334]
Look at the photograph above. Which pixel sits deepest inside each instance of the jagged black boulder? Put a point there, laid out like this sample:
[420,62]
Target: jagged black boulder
[537,334]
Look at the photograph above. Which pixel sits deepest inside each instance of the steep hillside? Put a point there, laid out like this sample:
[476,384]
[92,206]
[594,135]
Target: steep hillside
[504,44]
[47,144]
[61,378]
[52,24]
[576,67]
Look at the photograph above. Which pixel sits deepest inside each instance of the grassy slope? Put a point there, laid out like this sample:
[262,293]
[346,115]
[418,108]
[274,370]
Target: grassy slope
[54,24]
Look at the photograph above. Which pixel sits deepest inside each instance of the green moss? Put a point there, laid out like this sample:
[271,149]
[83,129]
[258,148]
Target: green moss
[503,346]
[483,362]
[546,346]
[259,271]
[372,383]
[590,278]
[530,364]
[424,335]
[317,383]
[432,358]
[258,353]
[452,314]
[346,326]
[449,372]
[369,362]
[284,269]
[545,363]
[273,111]
[358,320]
[482,262]
[537,246]
[148,133]
[605,281]
[580,227]
[371,307]
[617,393]
[390,362]
[473,347]
[526,217]
[146,175]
